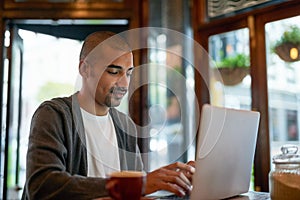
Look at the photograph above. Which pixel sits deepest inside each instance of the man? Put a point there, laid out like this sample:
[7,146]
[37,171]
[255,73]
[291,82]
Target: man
[76,141]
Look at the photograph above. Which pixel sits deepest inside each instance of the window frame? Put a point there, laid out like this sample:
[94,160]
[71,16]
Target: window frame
[255,20]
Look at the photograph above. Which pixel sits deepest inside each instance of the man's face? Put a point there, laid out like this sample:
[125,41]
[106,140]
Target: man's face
[112,81]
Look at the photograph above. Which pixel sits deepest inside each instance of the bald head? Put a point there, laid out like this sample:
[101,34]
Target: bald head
[104,38]
[106,63]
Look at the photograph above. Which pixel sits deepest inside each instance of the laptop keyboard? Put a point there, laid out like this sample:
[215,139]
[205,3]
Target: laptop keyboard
[174,197]
[249,195]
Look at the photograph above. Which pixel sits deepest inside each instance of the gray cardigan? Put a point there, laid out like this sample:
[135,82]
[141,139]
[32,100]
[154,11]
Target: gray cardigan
[57,158]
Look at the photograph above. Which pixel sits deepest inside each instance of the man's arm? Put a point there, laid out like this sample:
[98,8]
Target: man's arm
[175,178]
[56,159]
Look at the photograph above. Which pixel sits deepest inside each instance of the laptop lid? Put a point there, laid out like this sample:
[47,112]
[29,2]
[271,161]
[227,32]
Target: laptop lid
[226,147]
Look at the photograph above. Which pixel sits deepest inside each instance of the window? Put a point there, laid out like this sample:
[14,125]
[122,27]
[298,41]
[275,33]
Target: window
[230,78]
[283,86]
[230,82]
[171,108]
[54,64]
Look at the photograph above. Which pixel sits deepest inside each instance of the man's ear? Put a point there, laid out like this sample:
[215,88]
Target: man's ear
[83,69]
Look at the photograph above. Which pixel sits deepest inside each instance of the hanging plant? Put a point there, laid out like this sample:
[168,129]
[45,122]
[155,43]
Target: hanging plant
[233,69]
[288,46]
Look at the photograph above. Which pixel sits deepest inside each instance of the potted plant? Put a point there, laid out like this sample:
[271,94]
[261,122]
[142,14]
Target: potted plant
[288,46]
[233,69]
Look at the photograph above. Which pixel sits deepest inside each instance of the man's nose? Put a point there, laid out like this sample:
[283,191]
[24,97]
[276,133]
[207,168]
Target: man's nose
[124,81]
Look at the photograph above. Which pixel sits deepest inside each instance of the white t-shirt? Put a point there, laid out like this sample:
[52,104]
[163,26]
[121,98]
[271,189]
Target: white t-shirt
[102,145]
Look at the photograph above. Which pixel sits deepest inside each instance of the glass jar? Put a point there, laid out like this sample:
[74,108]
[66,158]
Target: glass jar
[284,180]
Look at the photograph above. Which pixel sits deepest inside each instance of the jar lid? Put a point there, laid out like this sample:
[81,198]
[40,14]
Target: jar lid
[289,155]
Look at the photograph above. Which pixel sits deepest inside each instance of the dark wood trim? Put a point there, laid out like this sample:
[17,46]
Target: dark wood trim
[201,66]
[8,115]
[259,92]
[68,14]
[283,12]
[10,4]
[199,11]
[138,107]
[201,72]
[230,25]
[206,23]
[2,49]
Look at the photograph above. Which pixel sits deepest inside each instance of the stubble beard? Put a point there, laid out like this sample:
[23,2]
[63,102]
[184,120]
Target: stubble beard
[111,100]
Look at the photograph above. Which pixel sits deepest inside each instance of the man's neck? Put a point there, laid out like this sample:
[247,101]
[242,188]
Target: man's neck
[91,106]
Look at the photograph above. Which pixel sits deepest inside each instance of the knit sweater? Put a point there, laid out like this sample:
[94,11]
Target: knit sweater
[57,156]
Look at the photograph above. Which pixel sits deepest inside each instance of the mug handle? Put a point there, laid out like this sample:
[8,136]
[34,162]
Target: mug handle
[113,188]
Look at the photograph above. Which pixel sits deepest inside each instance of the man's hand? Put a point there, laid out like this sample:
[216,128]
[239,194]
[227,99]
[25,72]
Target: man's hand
[175,178]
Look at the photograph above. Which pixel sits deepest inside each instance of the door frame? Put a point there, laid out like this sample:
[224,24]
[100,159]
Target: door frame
[133,11]
[14,95]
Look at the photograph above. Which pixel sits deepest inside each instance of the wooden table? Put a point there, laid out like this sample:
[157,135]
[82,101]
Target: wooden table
[251,195]
[247,196]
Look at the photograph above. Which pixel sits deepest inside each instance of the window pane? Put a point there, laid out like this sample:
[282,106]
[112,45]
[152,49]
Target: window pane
[230,81]
[283,75]
[46,55]
[171,77]
[171,110]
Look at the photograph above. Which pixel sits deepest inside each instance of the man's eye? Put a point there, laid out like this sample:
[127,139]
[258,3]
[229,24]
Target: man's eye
[112,71]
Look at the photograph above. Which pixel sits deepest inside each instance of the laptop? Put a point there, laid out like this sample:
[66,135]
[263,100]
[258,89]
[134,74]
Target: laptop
[225,153]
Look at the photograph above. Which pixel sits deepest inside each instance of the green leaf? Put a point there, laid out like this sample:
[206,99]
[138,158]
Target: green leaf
[291,35]
[239,60]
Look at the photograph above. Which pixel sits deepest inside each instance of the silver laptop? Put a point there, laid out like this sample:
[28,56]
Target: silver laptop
[226,146]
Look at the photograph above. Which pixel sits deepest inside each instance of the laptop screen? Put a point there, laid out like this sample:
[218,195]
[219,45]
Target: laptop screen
[225,153]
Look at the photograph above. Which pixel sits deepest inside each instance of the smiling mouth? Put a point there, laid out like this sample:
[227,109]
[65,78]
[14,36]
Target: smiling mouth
[118,92]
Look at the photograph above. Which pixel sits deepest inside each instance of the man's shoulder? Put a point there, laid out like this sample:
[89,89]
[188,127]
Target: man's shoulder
[60,103]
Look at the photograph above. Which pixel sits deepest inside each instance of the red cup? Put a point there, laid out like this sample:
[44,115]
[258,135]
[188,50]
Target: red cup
[126,185]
